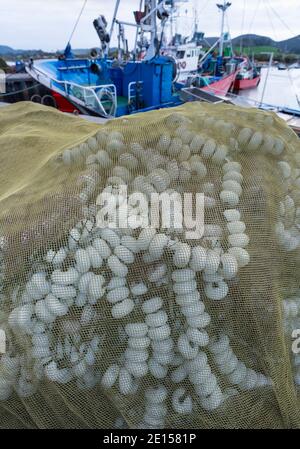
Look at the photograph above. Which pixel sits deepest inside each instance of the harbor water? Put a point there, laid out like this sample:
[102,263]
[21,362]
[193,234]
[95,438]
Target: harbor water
[282,89]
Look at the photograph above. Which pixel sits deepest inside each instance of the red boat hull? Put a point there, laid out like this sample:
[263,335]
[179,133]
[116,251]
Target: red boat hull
[246,83]
[63,104]
[223,86]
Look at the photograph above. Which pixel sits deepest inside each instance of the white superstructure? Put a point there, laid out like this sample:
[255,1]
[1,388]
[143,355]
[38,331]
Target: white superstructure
[187,58]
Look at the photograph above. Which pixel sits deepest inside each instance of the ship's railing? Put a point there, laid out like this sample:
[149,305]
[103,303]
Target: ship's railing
[101,99]
[243,101]
[132,90]
[72,67]
[93,97]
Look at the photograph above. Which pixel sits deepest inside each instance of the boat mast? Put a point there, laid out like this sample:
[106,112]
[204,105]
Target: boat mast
[148,23]
[113,23]
[151,17]
[196,17]
[137,33]
[223,9]
[172,21]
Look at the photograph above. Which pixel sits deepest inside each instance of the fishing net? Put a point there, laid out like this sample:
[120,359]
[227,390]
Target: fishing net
[140,327]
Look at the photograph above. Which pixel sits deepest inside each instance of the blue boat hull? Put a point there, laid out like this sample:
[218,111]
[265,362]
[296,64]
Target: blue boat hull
[101,87]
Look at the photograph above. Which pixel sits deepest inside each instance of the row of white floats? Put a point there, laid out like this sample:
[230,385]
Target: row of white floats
[71,276]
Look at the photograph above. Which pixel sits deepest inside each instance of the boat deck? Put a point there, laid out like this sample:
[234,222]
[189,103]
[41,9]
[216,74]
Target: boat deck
[292,121]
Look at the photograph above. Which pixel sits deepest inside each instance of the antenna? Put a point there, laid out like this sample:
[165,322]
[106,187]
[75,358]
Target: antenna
[223,8]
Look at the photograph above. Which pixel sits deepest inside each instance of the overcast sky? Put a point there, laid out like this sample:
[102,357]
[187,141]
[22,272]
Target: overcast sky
[47,24]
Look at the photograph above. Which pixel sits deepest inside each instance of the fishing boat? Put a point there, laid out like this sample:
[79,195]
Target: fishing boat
[213,71]
[199,69]
[248,77]
[113,88]
[188,50]
[219,84]
[282,67]
[187,59]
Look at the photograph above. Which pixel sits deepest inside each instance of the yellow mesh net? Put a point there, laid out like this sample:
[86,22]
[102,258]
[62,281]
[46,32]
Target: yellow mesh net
[140,327]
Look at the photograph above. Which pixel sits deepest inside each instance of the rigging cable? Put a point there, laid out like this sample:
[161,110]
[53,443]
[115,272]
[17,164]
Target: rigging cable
[293,87]
[243,26]
[77,21]
[281,19]
[10,94]
[228,27]
[246,101]
[204,6]
[270,20]
[268,5]
[254,15]
[253,19]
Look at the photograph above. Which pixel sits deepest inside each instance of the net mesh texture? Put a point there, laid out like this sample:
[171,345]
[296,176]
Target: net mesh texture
[143,328]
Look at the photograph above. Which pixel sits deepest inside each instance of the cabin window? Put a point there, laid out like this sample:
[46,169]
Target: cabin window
[188,55]
[180,54]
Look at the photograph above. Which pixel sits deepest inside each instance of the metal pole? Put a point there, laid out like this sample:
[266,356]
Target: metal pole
[207,53]
[153,7]
[172,22]
[223,8]
[222,30]
[137,32]
[153,29]
[267,77]
[113,23]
